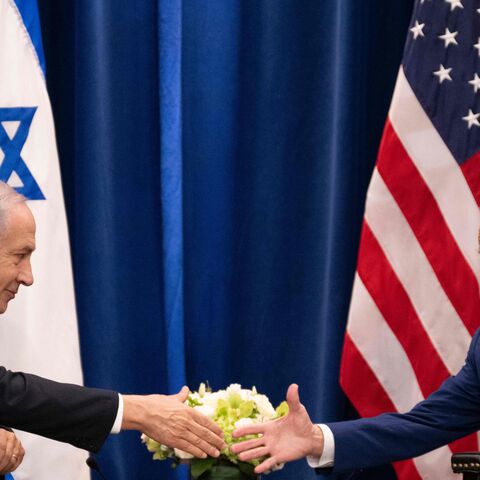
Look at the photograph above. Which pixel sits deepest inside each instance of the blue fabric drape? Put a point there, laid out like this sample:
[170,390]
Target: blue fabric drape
[215,157]
[171,156]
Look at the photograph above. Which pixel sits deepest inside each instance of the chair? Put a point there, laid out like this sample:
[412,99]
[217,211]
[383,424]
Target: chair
[467,463]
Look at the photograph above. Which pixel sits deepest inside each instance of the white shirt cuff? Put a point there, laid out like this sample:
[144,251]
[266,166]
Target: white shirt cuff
[328,455]
[117,425]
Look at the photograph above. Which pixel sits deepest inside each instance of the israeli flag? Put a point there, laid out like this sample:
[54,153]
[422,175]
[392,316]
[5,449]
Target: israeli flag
[38,334]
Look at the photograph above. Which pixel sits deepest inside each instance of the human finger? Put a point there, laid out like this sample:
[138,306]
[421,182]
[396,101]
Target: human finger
[21,451]
[7,452]
[293,399]
[17,456]
[189,448]
[207,422]
[200,437]
[13,463]
[247,445]
[254,453]
[208,437]
[14,459]
[182,395]
[266,465]
[203,445]
[4,459]
[250,430]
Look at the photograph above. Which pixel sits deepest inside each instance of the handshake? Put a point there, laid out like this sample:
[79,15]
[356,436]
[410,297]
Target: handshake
[168,421]
[257,434]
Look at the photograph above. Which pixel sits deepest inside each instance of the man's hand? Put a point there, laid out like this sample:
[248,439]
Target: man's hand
[284,440]
[166,419]
[11,452]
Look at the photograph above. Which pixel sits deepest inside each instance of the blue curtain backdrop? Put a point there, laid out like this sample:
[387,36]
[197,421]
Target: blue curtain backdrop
[215,158]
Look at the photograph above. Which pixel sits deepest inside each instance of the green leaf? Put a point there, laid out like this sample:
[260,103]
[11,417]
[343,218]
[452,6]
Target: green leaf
[222,408]
[246,468]
[246,409]
[235,400]
[201,465]
[282,409]
[193,402]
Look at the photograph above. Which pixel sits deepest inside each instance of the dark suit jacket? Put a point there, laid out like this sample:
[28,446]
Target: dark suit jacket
[77,415]
[452,412]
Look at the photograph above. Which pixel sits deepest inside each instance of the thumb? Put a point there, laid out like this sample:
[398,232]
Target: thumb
[182,395]
[293,399]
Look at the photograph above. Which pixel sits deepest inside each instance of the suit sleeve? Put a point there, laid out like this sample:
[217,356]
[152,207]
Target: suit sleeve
[68,413]
[451,412]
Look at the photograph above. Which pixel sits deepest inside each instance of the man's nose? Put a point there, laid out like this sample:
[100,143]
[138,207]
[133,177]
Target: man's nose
[25,276]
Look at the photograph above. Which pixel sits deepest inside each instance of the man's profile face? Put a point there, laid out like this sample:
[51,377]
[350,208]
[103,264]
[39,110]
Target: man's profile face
[17,243]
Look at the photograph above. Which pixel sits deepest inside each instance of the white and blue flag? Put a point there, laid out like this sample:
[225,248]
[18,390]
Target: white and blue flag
[39,332]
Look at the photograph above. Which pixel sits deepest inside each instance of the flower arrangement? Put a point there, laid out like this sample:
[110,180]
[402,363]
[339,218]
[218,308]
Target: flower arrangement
[230,408]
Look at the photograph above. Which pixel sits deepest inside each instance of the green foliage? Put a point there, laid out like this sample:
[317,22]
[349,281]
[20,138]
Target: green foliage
[246,468]
[247,409]
[193,402]
[199,466]
[282,409]
[234,400]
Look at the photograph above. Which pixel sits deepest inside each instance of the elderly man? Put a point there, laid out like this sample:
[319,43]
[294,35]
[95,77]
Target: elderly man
[81,416]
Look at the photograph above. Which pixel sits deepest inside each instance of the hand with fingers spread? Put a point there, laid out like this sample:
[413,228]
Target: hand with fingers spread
[11,451]
[166,419]
[284,440]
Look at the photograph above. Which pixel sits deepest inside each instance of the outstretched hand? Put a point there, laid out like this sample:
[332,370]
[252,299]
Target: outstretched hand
[284,440]
[166,419]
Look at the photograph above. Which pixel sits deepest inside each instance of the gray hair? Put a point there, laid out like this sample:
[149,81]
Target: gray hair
[8,198]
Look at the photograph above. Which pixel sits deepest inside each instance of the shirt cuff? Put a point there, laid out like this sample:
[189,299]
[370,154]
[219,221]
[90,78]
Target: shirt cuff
[328,455]
[117,425]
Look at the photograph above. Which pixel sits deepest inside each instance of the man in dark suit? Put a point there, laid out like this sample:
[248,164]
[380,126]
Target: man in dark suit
[81,416]
[452,412]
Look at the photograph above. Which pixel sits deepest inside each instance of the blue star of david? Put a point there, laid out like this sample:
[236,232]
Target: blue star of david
[12,149]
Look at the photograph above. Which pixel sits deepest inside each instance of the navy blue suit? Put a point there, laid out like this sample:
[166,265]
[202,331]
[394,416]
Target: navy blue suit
[452,412]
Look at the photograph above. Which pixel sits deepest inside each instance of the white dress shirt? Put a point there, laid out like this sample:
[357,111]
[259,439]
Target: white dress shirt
[117,424]
[328,455]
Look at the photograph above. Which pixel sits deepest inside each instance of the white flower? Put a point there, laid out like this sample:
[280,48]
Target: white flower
[234,388]
[245,394]
[182,455]
[208,410]
[212,398]
[244,422]
[202,389]
[264,406]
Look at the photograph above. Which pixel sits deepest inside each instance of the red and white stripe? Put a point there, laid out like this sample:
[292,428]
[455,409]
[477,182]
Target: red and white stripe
[415,302]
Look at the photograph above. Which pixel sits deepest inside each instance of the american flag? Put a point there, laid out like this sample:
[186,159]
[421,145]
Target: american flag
[415,302]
